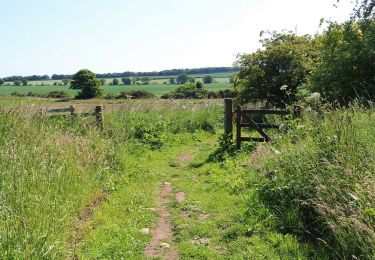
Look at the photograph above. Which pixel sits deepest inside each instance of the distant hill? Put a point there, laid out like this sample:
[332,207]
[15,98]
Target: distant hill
[164,73]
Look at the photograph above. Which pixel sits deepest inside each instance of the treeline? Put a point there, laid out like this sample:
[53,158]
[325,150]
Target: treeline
[173,72]
[30,78]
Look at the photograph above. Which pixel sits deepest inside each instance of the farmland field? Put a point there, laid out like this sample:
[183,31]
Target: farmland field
[157,89]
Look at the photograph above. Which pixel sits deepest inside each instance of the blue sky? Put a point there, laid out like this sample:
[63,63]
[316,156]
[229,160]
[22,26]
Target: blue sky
[63,36]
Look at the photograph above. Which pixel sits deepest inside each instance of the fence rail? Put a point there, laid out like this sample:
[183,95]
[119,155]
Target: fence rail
[98,113]
[244,120]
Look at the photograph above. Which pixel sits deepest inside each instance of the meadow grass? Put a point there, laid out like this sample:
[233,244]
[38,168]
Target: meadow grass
[320,185]
[52,167]
[307,195]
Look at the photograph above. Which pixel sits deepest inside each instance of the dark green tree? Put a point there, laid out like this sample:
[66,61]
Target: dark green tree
[2,82]
[199,85]
[24,82]
[207,79]
[115,82]
[347,66]
[272,74]
[172,80]
[17,83]
[145,80]
[88,83]
[126,81]
[182,78]
[102,82]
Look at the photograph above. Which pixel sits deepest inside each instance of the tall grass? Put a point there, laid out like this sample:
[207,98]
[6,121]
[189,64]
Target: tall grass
[321,186]
[50,168]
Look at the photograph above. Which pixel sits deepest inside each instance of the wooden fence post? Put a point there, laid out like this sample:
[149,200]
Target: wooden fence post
[228,124]
[99,117]
[238,126]
[72,111]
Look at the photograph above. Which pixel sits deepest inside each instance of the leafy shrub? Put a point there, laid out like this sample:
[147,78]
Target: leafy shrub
[57,94]
[88,83]
[136,94]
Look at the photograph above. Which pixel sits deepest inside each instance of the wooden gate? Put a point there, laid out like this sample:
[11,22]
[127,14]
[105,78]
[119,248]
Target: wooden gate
[244,120]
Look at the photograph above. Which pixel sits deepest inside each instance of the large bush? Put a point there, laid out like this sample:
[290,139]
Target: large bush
[347,67]
[273,74]
[88,83]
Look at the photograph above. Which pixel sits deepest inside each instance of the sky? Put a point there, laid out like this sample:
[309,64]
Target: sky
[63,36]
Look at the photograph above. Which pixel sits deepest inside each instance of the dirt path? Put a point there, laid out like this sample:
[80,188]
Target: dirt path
[161,244]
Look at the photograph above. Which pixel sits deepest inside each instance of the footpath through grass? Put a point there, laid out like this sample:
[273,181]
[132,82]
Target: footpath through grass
[212,223]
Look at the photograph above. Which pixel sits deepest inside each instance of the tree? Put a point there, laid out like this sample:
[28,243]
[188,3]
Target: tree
[2,82]
[102,82]
[88,83]
[172,80]
[347,65]
[24,82]
[365,10]
[182,78]
[115,82]
[145,80]
[273,74]
[126,81]
[199,85]
[207,79]
[17,83]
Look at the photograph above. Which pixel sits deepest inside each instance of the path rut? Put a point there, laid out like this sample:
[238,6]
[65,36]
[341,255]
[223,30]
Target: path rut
[161,244]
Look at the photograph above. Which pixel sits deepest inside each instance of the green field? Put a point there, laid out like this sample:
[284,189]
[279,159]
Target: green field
[157,89]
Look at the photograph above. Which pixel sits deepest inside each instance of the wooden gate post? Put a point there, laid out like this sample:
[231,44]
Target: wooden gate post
[228,124]
[99,117]
[238,126]
[72,111]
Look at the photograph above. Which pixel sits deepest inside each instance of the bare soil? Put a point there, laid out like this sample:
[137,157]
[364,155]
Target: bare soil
[161,244]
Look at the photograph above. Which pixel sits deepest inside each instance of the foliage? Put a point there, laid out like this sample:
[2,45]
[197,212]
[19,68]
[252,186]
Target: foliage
[136,94]
[365,10]
[182,78]
[57,94]
[2,81]
[24,82]
[207,79]
[347,66]
[102,82]
[126,81]
[115,82]
[145,80]
[172,80]
[88,83]
[199,85]
[17,83]
[273,74]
